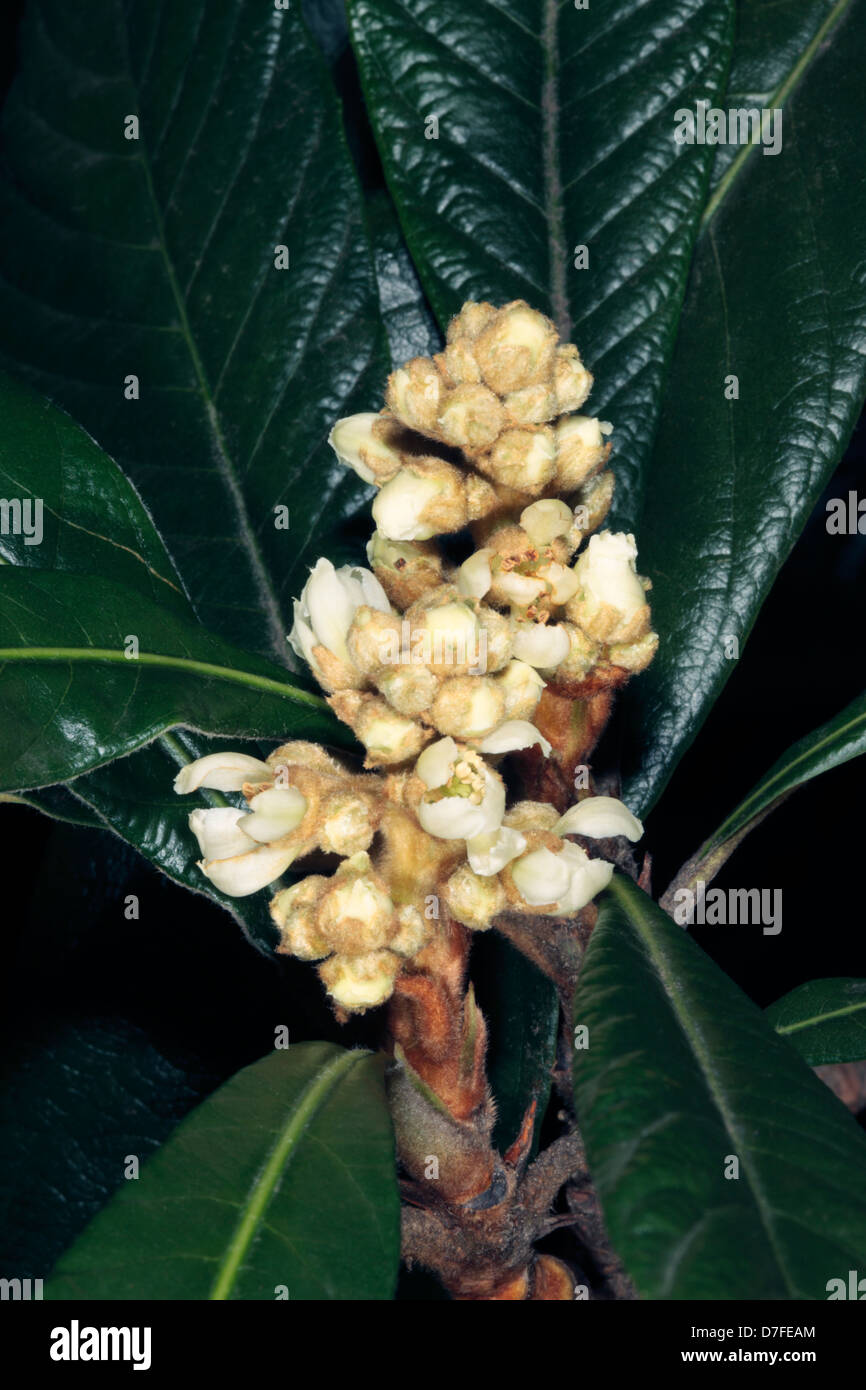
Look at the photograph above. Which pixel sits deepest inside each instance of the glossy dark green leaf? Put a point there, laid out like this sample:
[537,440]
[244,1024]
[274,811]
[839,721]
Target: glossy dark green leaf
[409,324]
[836,742]
[83,516]
[825,1020]
[521,1008]
[74,699]
[155,257]
[555,130]
[777,299]
[282,1180]
[78,1098]
[682,1075]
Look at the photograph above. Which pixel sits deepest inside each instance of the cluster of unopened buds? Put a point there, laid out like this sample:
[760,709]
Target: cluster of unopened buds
[437,657]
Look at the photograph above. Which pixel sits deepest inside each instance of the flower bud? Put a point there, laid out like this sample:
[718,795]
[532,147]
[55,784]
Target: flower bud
[572,382]
[358,983]
[413,933]
[464,796]
[470,321]
[634,656]
[516,348]
[610,604]
[293,910]
[361,442]
[472,900]
[374,640]
[521,459]
[531,815]
[545,520]
[583,655]
[599,817]
[470,418]
[300,753]
[409,689]
[522,686]
[222,772]
[446,634]
[580,449]
[482,499]
[496,641]
[323,616]
[543,645]
[276,812]
[468,707]
[405,569]
[533,405]
[348,823]
[426,498]
[414,393]
[355,914]
[593,502]
[458,364]
[387,736]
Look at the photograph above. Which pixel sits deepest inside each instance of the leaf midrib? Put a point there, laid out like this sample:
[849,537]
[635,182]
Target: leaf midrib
[776,99]
[205,669]
[258,1198]
[635,913]
[817,1019]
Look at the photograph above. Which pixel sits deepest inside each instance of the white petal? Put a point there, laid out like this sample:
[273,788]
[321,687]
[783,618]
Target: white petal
[434,764]
[247,873]
[331,608]
[398,505]
[224,772]
[541,644]
[491,852]
[458,818]
[546,519]
[273,813]
[218,833]
[589,877]
[513,734]
[372,593]
[599,817]
[473,579]
[520,589]
[542,877]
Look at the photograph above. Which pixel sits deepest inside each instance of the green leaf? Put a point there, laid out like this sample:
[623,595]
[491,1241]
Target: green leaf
[155,257]
[824,1019]
[64,671]
[682,1074]
[84,515]
[777,298]
[284,1177]
[521,1008]
[836,742]
[555,130]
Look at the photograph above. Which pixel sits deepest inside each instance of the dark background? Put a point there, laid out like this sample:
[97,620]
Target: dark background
[115,1028]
